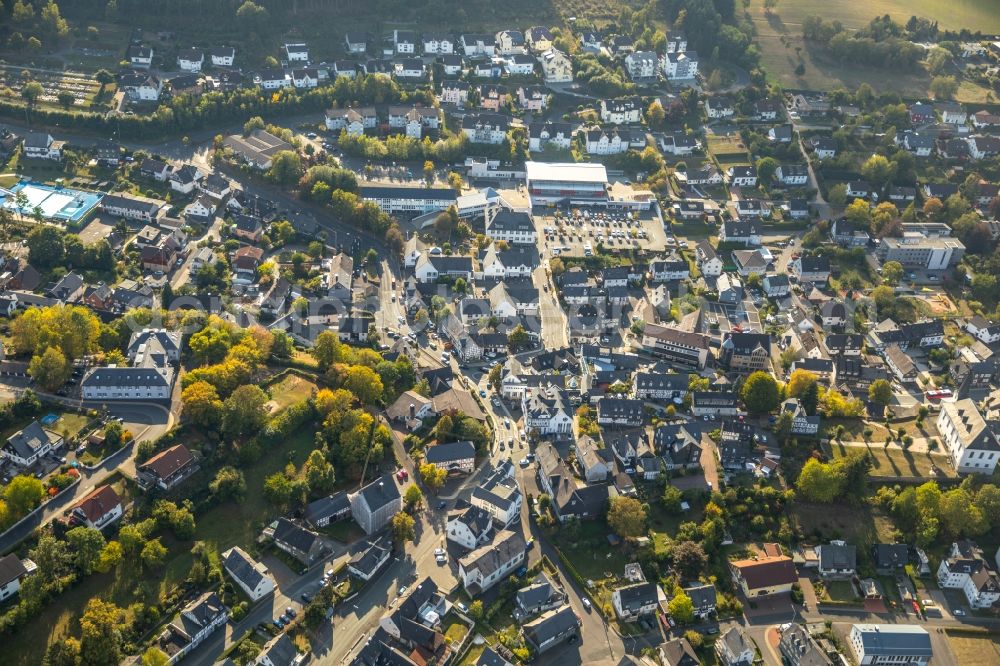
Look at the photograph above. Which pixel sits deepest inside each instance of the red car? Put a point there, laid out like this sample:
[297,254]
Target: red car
[402,475]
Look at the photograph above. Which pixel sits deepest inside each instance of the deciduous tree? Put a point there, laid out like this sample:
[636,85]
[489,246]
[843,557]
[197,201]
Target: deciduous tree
[627,517]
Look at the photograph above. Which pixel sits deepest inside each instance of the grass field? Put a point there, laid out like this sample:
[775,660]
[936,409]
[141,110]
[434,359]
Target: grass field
[859,525]
[895,461]
[975,651]
[290,389]
[782,47]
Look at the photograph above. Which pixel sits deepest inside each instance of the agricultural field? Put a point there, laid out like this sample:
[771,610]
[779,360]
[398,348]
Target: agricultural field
[783,49]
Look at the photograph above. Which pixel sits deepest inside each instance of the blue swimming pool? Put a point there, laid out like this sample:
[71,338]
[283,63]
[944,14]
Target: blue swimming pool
[57,204]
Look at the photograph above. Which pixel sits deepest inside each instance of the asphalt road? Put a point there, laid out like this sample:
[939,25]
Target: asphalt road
[147,420]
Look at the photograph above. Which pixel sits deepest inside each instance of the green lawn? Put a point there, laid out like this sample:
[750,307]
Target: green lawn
[897,461]
[839,590]
[976,15]
[290,389]
[587,548]
[238,524]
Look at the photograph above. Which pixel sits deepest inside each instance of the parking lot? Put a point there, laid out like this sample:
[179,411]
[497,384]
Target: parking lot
[578,232]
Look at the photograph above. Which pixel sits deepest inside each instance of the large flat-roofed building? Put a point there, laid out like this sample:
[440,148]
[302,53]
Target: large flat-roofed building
[916,250]
[416,200]
[551,183]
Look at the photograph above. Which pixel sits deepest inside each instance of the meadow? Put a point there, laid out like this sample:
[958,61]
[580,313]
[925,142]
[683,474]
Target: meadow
[779,36]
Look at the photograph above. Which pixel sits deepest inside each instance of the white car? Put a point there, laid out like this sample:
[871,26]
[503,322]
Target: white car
[439,551]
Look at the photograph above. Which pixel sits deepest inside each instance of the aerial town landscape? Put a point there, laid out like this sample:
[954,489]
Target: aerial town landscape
[430,333]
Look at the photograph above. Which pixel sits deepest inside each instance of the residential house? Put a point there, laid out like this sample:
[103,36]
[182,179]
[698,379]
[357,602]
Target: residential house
[250,575]
[764,576]
[190,60]
[747,352]
[98,509]
[470,528]
[703,598]
[139,56]
[777,286]
[619,111]
[815,268]
[499,495]
[131,207]
[353,121]
[901,365]
[620,412]
[967,569]
[297,52]
[196,622]
[509,42]
[972,443]
[719,106]
[375,504]
[714,403]
[556,66]
[438,44]
[551,629]
[326,510]
[792,175]
[489,128]
[305,546]
[680,66]
[222,56]
[488,565]
[13,571]
[41,146]
[642,65]
[356,42]
[733,648]
[279,651]
[540,595]
[27,446]
[802,423]
[167,469]
[634,601]
[837,560]
[798,648]
[890,558]
[369,560]
[746,232]
[538,39]
[707,259]
[453,457]
[679,347]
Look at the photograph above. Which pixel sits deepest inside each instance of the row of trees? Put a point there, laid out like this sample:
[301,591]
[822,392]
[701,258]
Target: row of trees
[926,512]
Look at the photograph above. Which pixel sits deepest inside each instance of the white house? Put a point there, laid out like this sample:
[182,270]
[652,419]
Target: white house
[13,570]
[296,52]
[556,66]
[499,495]
[41,146]
[374,505]
[488,565]
[547,410]
[965,568]
[223,56]
[634,601]
[27,446]
[680,66]
[253,577]
[642,65]
[191,60]
[971,443]
[470,529]
[98,509]
[619,111]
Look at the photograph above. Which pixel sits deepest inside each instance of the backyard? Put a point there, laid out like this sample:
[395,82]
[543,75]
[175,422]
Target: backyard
[897,461]
[859,525]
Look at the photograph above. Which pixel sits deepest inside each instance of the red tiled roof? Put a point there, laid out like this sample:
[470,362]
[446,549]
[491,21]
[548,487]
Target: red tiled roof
[99,503]
[168,462]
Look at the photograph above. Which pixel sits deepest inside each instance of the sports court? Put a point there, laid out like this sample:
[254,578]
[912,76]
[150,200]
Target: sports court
[57,204]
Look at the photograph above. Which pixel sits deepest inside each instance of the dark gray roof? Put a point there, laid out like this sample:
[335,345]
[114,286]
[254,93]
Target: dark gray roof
[837,556]
[380,492]
[491,658]
[550,624]
[327,507]
[701,595]
[280,651]
[242,569]
[638,595]
[445,453]
[291,534]
[124,377]
[895,639]
[11,568]
[370,557]
[26,442]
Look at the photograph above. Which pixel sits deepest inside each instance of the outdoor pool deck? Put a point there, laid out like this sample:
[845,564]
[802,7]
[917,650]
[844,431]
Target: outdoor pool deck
[57,204]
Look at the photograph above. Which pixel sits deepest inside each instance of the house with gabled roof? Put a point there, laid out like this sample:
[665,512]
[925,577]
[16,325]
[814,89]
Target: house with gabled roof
[488,565]
[196,622]
[250,575]
[376,503]
[98,509]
